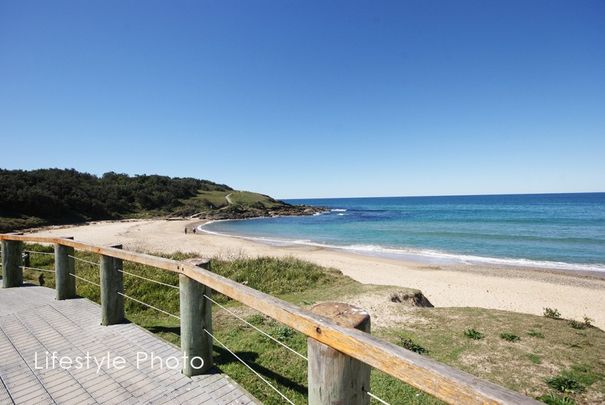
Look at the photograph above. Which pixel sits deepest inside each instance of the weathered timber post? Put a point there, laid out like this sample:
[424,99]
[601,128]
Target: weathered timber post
[335,378]
[196,315]
[12,272]
[65,268]
[112,283]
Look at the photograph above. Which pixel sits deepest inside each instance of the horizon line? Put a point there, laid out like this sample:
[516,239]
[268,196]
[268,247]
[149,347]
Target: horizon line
[444,195]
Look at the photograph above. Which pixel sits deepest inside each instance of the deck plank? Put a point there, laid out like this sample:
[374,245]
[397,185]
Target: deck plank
[33,323]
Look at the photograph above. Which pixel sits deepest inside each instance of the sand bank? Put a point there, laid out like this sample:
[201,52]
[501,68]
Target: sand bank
[512,289]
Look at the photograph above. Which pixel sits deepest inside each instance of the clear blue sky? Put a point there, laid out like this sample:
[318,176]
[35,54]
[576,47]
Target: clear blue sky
[311,98]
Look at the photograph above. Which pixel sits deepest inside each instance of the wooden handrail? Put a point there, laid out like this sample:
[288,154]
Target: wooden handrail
[444,382]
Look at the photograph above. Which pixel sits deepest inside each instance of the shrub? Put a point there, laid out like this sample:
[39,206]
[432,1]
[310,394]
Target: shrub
[588,321]
[535,333]
[284,333]
[473,334]
[509,337]
[577,324]
[552,313]
[564,384]
[553,399]
[412,346]
[256,319]
[534,358]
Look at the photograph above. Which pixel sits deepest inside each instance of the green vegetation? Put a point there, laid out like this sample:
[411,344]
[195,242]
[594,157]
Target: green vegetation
[565,384]
[525,366]
[535,333]
[409,344]
[534,358]
[552,313]
[577,324]
[509,337]
[473,334]
[54,196]
[554,399]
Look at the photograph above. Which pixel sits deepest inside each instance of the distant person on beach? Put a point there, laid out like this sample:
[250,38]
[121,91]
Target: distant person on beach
[185,230]
[194,230]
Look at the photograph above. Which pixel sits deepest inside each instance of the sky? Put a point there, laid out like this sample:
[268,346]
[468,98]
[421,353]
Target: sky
[310,98]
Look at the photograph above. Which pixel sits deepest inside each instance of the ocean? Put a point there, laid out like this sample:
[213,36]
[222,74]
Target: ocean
[563,231]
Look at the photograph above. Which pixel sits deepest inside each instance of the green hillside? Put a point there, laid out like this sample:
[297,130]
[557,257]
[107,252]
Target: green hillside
[62,196]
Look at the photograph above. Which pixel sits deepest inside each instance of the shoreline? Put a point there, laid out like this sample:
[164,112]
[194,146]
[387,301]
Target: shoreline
[418,258]
[517,289]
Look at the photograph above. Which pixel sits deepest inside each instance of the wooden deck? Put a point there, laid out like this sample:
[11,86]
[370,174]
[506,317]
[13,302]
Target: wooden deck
[33,322]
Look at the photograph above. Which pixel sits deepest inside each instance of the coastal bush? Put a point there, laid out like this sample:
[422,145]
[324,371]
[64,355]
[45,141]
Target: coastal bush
[473,334]
[577,324]
[552,313]
[588,321]
[564,383]
[509,337]
[409,344]
[49,196]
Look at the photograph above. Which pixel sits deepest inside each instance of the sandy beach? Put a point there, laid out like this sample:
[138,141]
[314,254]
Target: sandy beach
[513,289]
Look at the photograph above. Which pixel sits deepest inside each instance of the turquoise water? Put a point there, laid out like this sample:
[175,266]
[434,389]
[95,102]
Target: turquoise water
[553,230]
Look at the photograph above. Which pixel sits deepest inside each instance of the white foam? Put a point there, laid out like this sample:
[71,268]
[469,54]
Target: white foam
[433,256]
[339,210]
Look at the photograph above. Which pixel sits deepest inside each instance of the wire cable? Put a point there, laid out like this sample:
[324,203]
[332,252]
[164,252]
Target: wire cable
[149,279]
[86,280]
[249,367]
[39,253]
[83,260]
[37,269]
[382,401]
[149,306]
[258,329]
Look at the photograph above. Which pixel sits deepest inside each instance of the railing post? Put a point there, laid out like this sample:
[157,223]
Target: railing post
[65,268]
[196,315]
[112,303]
[335,378]
[12,272]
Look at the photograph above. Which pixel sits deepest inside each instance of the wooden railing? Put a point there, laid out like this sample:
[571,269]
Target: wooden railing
[444,382]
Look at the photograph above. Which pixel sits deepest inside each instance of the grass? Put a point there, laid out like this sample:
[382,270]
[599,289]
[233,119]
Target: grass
[563,383]
[473,334]
[523,366]
[554,399]
[249,198]
[409,344]
[552,348]
[534,358]
[535,333]
[206,200]
[509,337]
